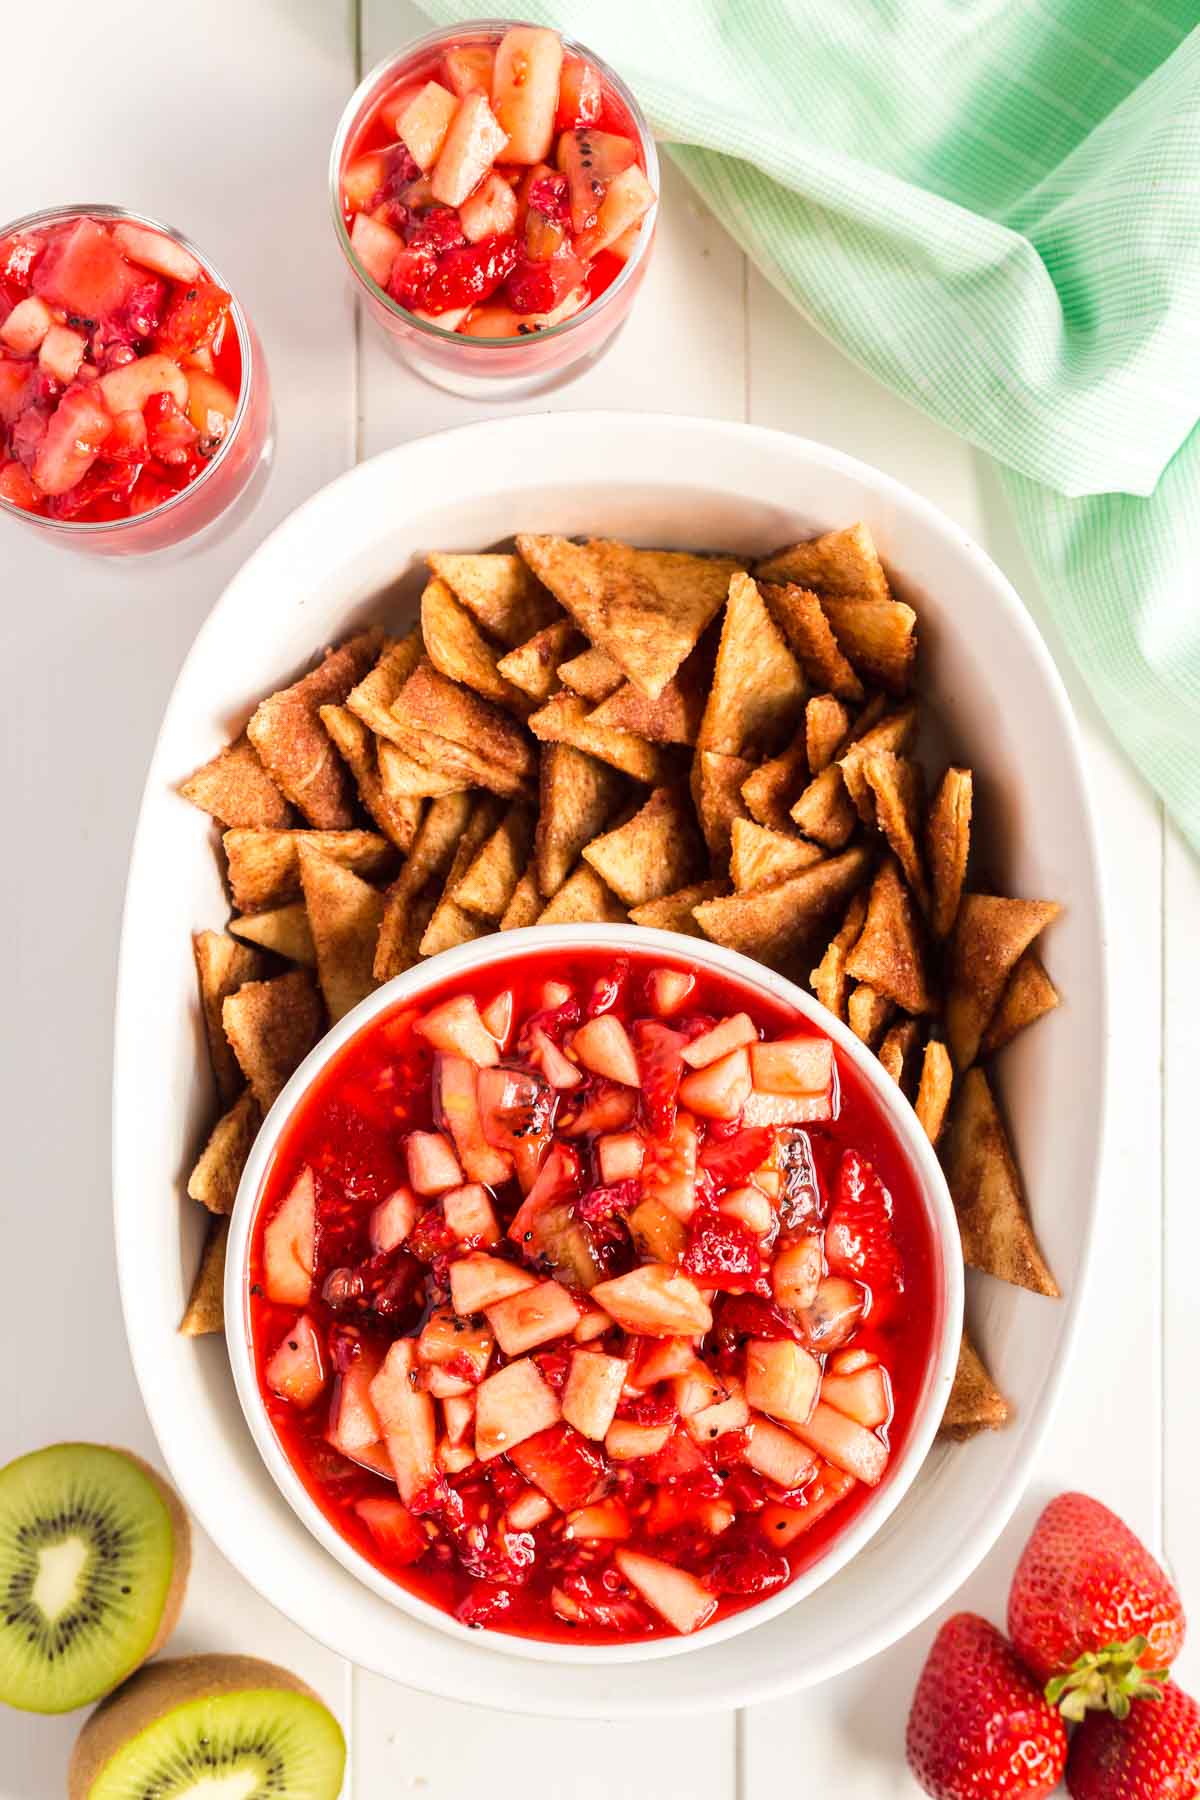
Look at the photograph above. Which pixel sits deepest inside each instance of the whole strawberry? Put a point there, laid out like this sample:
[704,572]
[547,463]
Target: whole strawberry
[1090,1612]
[979,1728]
[1153,1754]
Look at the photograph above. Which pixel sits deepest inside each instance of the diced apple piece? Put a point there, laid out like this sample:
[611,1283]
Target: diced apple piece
[423,124]
[696,1387]
[563,1465]
[353,1422]
[362,180]
[296,1371]
[447,1338]
[452,1459]
[154,251]
[533,1317]
[673,1508]
[525,90]
[529,1510]
[458,1102]
[782,1525]
[603,1046]
[592,1325]
[491,211]
[289,1244]
[74,435]
[457,1028]
[376,247]
[513,1404]
[128,388]
[580,96]
[626,1441]
[862,1396]
[432,1165]
[669,1170]
[624,246]
[667,990]
[26,325]
[478,1281]
[394,1528]
[469,68]
[497,1016]
[833,1314]
[61,353]
[211,406]
[778,1456]
[677,1596]
[458,1416]
[593,1391]
[711,1422]
[407,1420]
[442,1383]
[849,1362]
[719,1091]
[751,1207]
[655,1301]
[793,1066]
[787,1109]
[844,1443]
[629,197]
[470,1214]
[392,1221]
[84,273]
[729,1034]
[607,1519]
[781,1379]
[796,1274]
[590,160]
[659,1359]
[620,1155]
[473,143]
[656,1233]
[546,1056]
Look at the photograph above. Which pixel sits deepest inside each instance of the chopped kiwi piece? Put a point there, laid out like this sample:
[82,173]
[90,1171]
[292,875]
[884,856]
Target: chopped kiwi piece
[227,1727]
[94,1556]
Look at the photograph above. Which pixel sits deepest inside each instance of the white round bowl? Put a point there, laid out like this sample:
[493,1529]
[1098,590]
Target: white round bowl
[931,1186]
[353,553]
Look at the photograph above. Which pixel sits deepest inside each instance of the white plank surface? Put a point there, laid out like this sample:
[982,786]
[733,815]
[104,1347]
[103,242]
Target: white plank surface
[226,115]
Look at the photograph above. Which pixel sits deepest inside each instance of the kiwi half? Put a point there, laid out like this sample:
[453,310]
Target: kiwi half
[225,1727]
[94,1556]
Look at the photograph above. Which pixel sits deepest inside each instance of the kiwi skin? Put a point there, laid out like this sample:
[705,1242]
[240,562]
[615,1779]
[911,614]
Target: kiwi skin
[181,1562]
[158,1689]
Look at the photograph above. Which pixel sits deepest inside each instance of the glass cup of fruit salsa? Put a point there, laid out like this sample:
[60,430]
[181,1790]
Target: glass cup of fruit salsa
[494,191]
[134,402]
[592,1294]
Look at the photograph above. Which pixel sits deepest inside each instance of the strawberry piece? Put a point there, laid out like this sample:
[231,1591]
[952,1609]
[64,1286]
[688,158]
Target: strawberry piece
[71,442]
[859,1240]
[609,987]
[171,434]
[483,1541]
[747,1567]
[978,1724]
[604,1600]
[648,1409]
[14,383]
[660,1068]
[17,489]
[18,254]
[679,1460]
[539,286]
[431,1237]
[411,269]
[1087,1588]
[469,274]
[128,441]
[721,1253]
[394,1529]
[437,228]
[580,95]
[1154,1754]
[731,1161]
[84,273]
[743,1316]
[104,482]
[483,1605]
[561,1462]
[600,1203]
[192,317]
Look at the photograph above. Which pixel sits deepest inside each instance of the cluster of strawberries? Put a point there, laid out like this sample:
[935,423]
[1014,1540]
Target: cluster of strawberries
[1093,1626]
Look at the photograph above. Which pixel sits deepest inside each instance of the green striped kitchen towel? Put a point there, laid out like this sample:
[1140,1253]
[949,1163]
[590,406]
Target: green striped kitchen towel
[993,206]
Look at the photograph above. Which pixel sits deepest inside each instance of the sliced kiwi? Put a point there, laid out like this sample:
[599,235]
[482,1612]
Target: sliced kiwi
[94,1556]
[224,1727]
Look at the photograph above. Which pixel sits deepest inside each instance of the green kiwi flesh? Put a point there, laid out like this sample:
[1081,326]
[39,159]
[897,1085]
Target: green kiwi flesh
[93,1556]
[210,1728]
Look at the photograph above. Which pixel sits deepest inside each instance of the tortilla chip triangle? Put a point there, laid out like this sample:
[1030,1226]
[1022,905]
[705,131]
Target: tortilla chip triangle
[675,912]
[895,1052]
[235,788]
[890,953]
[997,1235]
[458,649]
[990,936]
[294,746]
[829,980]
[214,1180]
[826,727]
[947,846]
[867,1013]
[406,913]
[505,597]
[566,719]
[272,1026]
[592,673]
[780,925]
[264,870]
[1030,994]
[801,618]
[525,905]
[651,854]
[825,811]
[449,924]
[647,608]
[716,785]
[283,930]
[577,797]
[344,915]
[933,1092]
[374,696]
[583,896]
[759,857]
[405,780]
[879,637]
[409,903]
[674,718]
[895,731]
[757,687]
[491,878]
[976,1403]
[898,786]
[533,667]
[771,790]
[838,563]
[206,1304]
[455,729]
[435,844]
[222,965]
[396,817]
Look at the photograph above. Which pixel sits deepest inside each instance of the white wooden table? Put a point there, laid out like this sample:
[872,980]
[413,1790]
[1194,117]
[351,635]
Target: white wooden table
[218,118]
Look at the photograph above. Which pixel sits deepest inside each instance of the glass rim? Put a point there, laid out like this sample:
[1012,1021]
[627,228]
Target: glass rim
[49,215]
[454,34]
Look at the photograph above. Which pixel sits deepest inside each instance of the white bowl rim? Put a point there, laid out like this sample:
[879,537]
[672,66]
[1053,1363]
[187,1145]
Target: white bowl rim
[906,1613]
[510,946]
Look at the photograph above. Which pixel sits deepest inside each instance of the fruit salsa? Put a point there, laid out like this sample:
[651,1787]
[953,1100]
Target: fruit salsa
[590,1296]
[497,185]
[120,368]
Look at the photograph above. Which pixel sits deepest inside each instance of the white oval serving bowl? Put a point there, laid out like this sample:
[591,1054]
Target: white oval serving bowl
[353,553]
[482,954]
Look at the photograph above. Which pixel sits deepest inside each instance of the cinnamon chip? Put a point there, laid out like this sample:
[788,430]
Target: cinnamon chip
[294,746]
[583,896]
[676,912]
[757,687]
[896,1052]
[505,597]
[534,666]
[898,787]
[825,811]
[890,952]
[838,563]
[566,720]
[879,638]
[593,674]
[656,851]
[235,788]
[283,930]
[272,1026]
[491,878]
[991,935]
[779,925]
[770,791]
[397,817]
[759,857]
[826,727]
[222,965]
[801,617]
[894,732]
[264,870]
[673,718]
[976,1403]
[867,1013]
[947,845]
[829,980]
[577,797]
[458,649]
[214,1180]
[455,730]
[206,1304]
[1030,994]
[933,1095]
[374,696]
[526,904]
[344,915]
[716,784]
[997,1235]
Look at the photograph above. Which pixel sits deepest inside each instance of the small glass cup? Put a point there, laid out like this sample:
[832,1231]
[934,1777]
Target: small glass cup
[491,368]
[245,448]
